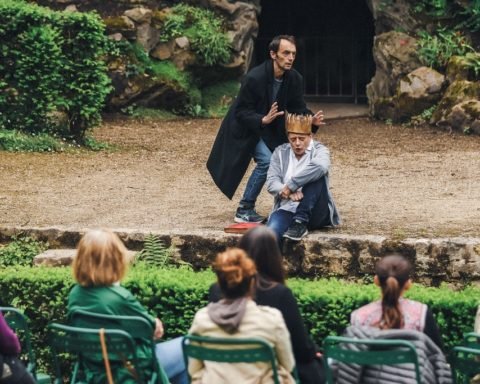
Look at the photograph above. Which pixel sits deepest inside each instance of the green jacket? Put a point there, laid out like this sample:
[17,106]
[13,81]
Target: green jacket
[112,300]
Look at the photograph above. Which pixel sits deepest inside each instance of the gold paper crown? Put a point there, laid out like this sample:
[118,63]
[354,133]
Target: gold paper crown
[301,124]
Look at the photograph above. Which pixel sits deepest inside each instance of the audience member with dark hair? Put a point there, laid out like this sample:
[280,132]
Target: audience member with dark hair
[99,266]
[260,244]
[393,311]
[236,315]
[12,370]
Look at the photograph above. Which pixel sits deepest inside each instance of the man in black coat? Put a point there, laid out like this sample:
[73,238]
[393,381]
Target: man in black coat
[252,127]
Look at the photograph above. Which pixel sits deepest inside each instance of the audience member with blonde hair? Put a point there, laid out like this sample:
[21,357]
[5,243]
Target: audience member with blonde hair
[99,266]
[238,316]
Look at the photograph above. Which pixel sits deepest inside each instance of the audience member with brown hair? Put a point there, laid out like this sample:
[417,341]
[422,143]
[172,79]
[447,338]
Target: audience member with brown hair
[237,316]
[393,311]
[261,245]
[99,266]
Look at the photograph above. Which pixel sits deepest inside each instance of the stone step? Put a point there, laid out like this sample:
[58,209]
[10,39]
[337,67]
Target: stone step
[320,254]
[60,257]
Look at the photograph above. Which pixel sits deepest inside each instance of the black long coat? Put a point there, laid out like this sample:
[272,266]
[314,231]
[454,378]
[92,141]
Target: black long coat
[242,126]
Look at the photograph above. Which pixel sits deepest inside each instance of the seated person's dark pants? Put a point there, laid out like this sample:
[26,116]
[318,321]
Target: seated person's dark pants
[313,210]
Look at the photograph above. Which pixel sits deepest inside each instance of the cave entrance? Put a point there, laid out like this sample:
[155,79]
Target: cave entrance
[334,45]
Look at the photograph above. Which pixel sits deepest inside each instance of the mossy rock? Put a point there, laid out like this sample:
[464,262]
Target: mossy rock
[458,91]
[461,67]
[119,24]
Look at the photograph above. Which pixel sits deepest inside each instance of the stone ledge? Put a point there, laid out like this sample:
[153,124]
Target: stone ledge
[319,255]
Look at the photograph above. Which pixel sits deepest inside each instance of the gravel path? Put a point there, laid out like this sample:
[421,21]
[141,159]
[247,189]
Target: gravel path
[386,180]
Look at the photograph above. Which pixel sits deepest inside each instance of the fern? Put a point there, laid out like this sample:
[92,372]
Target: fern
[156,254]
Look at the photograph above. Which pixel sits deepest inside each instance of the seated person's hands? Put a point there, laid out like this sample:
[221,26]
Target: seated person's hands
[158,333]
[296,196]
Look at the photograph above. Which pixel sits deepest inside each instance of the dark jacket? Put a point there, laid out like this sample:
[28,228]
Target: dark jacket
[242,126]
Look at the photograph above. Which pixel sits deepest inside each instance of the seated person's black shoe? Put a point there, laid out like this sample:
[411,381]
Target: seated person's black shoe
[297,231]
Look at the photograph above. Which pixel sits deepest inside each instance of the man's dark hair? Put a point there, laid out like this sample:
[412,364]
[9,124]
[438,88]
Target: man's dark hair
[275,43]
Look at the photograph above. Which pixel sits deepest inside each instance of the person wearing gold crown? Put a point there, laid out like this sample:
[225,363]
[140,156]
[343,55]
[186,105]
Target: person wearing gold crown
[298,180]
[252,127]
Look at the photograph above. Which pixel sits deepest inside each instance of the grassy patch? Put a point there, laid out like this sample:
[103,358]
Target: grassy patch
[12,140]
[217,98]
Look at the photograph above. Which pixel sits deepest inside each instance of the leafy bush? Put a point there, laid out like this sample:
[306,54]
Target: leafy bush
[176,294]
[203,29]
[51,61]
[436,49]
[20,251]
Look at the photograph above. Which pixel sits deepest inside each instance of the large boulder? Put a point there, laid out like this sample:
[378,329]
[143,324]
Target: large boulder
[395,56]
[418,91]
[457,93]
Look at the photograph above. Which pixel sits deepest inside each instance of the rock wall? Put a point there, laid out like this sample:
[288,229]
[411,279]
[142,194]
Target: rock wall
[454,260]
[401,88]
[140,21]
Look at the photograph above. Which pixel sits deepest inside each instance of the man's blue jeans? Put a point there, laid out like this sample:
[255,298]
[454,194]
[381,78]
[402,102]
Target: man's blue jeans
[170,356]
[313,210]
[261,155]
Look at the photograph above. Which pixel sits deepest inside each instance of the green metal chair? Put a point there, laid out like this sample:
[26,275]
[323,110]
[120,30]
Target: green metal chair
[375,352]
[227,350]
[19,323]
[471,340]
[86,345]
[138,327]
[465,359]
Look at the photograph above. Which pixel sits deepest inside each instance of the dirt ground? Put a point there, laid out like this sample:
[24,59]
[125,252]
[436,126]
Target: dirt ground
[386,180]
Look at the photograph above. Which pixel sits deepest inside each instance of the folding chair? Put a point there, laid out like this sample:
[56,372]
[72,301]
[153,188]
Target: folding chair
[225,350]
[86,344]
[137,327]
[375,352]
[465,359]
[18,322]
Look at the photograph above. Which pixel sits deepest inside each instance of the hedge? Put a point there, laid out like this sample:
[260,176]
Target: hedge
[175,295]
[50,64]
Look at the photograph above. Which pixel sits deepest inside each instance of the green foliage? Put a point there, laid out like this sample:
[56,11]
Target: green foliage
[93,144]
[14,141]
[471,13]
[20,251]
[436,49]
[435,8]
[156,254]
[150,113]
[51,61]
[140,63]
[424,117]
[176,294]
[472,60]
[203,29]
[217,98]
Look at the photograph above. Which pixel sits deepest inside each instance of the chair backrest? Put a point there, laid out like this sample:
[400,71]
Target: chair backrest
[137,327]
[227,350]
[471,340]
[465,360]
[17,321]
[85,343]
[374,352]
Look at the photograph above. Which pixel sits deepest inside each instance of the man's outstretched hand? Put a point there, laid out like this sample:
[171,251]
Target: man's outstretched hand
[317,119]
[272,114]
